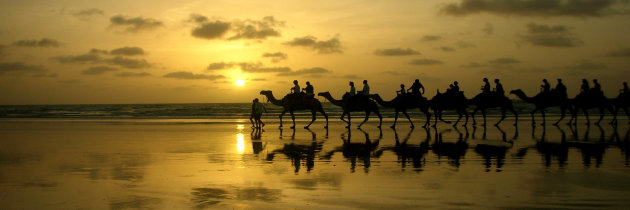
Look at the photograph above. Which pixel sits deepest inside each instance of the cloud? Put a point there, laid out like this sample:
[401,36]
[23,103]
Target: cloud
[85,58]
[192,76]
[133,74]
[549,36]
[473,65]
[425,61]
[219,66]
[259,68]
[428,38]
[136,24]
[98,70]
[70,81]
[396,52]
[350,76]
[251,29]
[446,49]
[211,30]
[258,79]
[332,45]
[247,29]
[45,42]
[98,51]
[504,61]
[129,51]
[127,62]
[310,71]
[584,65]
[625,52]
[1,49]
[86,14]
[18,68]
[463,45]
[275,57]
[578,8]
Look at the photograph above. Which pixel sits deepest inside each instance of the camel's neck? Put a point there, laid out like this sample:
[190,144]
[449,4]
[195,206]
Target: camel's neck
[381,102]
[333,100]
[273,99]
[524,97]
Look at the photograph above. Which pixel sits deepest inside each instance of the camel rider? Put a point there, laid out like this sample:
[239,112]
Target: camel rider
[486,86]
[402,90]
[309,89]
[366,88]
[353,91]
[415,88]
[455,87]
[499,88]
[584,88]
[560,89]
[597,89]
[625,88]
[296,88]
[545,86]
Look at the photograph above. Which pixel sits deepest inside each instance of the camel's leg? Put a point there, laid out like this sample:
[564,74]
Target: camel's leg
[502,116]
[515,116]
[436,116]
[367,115]
[380,118]
[343,115]
[313,114]
[349,121]
[625,109]
[395,119]
[459,117]
[601,115]
[426,113]
[282,114]
[408,118]
[588,121]
[542,112]
[534,119]
[473,115]
[562,110]
[321,109]
[483,113]
[292,118]
[466,115]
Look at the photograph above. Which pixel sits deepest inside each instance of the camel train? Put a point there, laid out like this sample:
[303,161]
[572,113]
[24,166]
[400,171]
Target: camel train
[455,100]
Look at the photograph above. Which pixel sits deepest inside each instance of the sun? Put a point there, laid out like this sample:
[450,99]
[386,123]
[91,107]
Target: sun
[240,82]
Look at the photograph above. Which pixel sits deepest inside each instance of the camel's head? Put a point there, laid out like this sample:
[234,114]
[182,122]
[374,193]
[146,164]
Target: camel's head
[265,92]
[517,91]
[323,93]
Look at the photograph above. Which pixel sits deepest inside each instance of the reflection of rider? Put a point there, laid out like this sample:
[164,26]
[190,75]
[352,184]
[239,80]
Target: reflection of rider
[486,86]
[584,88]
[561,89]
[415,88]
[499,88]
[309,89]
[545,86]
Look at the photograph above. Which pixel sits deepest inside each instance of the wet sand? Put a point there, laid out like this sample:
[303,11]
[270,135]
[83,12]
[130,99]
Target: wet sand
[181,164]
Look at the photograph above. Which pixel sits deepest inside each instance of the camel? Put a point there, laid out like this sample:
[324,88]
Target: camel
[403,102]
[449,101]
[361,104]
[484,101]
[293,103]
[544,100]
[590,99]
[621,102]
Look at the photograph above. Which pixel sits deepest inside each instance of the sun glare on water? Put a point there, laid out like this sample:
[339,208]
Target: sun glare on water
[240,82]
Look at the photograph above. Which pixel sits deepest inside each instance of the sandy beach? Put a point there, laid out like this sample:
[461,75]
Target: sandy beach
[182,164]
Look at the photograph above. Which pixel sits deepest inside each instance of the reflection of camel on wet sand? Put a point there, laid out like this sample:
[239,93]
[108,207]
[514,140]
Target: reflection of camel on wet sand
[292,103]
[350,104]
[405,151]
[484,101]
[297,153]
[493,149]
[454,151]
[353,151]
[545,100]
[403,102]
[590,149]
[449,101]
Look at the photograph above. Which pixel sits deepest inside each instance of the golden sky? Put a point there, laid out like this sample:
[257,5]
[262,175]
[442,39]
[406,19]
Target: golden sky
[68,52]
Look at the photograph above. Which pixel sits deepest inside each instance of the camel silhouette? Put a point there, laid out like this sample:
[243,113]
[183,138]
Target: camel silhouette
[294,103]
[449,101]
[348,105]
[484,101]
[590,99]
[545,100]
[403,102]
[621,102]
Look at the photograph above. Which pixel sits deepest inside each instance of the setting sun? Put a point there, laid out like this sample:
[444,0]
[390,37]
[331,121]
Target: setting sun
[240,82]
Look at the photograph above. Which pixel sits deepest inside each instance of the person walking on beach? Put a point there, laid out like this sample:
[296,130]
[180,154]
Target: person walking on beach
[415,88]
[309,89]
[366,88]
[259,108]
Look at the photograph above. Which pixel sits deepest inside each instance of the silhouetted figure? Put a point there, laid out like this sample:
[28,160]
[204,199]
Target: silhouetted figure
[402,90]
[415,88]
[450,89]
[309,89]
[545,87]
[292,104]
[622,102]
[499,88]
[361,104]
[251,116]
[455,87]
[353,91]
[296,88]
[366,88]
[486,86]
[259,108]
[625,88]
[560,89]
[596,87]
[584,88]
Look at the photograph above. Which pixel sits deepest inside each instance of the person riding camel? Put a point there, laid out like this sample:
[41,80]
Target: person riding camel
[545,87]
[560,89]
[366,88]
[353,91]
[584,88]
[625,89]
[499,88]
[486,86]
[597,88]
[402,90]
[455,87]
[309,90]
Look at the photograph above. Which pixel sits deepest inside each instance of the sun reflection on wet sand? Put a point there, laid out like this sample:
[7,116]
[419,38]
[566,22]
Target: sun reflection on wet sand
[240,143]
